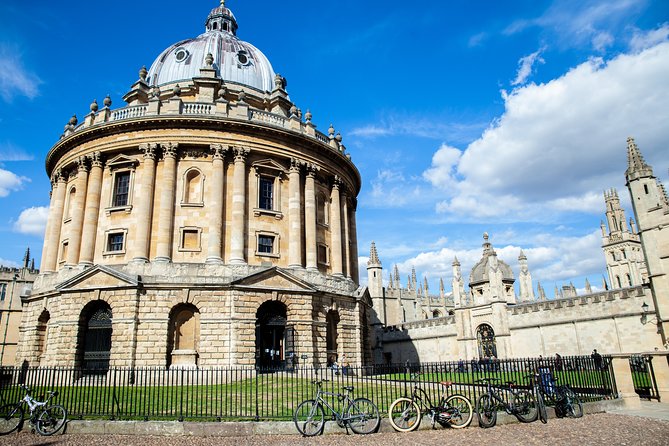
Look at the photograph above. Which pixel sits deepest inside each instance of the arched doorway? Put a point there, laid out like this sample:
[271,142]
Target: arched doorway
[332,321]
[95,335]
[274,339]
[485,336]
[42,327]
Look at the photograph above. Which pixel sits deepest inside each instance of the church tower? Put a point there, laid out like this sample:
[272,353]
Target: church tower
[622,247]
[375,283]
[651,211]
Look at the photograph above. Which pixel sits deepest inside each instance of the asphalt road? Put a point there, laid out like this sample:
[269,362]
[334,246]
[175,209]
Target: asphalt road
[598,429]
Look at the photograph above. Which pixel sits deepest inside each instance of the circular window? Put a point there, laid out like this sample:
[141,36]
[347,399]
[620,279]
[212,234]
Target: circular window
[181,54]
[242,58]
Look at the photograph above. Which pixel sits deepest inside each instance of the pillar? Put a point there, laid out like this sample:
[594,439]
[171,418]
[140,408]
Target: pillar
[347,241]
[355,275]
[294,215]
[89,234]
[166,211]
[54,223]
[144,203]
[215,246]
[310,217]
[238,206]
[335,229]
[624,383]
[77,221]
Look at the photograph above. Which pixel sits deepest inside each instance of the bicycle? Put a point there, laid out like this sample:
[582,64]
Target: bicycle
[539,392]
[522,404]
[46,418]
[360,414]
[565,400]
[405,413]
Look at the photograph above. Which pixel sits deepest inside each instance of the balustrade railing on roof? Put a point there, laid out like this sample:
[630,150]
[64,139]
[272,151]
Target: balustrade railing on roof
[196,108]
[128,113]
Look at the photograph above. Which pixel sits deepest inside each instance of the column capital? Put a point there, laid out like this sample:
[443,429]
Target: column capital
[82,164]
[96,159]
[337,182]
[240,153]
[150,150]
[295,165]
[218,151]
[58,176]
[169,149]
[312,169]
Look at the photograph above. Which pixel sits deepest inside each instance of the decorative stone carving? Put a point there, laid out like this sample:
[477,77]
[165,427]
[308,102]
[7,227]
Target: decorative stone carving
[149,150]
[240,153]
[218,150]
[169,149]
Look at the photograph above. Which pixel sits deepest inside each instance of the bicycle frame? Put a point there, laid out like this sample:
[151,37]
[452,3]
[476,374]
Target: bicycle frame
[427,402]
[344,397]
[493,391]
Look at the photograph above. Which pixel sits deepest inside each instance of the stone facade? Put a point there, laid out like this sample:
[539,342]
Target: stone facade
[489,320]
[205,223]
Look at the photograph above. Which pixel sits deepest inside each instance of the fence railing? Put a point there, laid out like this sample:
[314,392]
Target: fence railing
[643,377]
[268,394]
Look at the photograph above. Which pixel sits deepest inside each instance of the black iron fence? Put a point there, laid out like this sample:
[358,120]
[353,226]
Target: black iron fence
[643,376]
[264,394]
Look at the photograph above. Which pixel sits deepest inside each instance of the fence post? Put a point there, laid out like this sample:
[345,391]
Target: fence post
[661,370]
[622,373]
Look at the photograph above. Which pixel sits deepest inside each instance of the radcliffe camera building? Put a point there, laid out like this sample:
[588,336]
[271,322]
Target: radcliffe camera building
[206,222]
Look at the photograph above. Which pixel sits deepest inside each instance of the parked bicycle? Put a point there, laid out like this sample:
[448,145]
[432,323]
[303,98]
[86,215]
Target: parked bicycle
[565,400]
[406,413]
[46,418]
[522,403]
[538,390]
[360,414]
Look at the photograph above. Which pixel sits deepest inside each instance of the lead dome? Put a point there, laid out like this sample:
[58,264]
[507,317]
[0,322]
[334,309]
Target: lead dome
[234,60]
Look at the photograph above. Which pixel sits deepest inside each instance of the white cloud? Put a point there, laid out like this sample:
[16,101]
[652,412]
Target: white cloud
[558,145]
[9,152]
[9,182]
[8,263]
[642,40]
[32,221]
[392,124]
[15,80]
[525,65]
[477,39]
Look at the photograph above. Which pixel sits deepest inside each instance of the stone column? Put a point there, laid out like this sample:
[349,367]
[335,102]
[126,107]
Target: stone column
[89,235]
[166,212]
[144,204]
[355,274]
[310,217]
[294,215]
[624,383]
[335,229]
[238,206]
[77,221]
[54,223]
[347,241]
[214,252]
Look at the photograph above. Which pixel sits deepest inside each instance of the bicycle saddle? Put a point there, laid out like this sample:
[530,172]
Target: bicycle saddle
[446,384]
[349,388]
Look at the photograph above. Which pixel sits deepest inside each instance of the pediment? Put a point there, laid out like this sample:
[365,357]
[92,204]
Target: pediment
[98,277]
[268,165]
[274,279]
[122,161]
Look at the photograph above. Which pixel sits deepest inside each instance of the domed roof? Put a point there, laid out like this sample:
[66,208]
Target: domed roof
[235,61]
[479,272]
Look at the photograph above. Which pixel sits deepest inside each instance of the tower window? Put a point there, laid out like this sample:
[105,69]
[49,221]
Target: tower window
[645,188]
[266,198]
[121,189]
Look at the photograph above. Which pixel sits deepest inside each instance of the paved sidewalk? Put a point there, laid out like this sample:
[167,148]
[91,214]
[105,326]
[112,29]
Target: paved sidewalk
[649,409]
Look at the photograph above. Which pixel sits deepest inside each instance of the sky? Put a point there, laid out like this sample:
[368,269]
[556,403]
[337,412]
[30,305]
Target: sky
[463,116]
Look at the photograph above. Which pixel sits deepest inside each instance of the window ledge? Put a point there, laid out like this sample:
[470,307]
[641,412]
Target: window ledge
[126,208]
[189,249]
[257,212]
[113,253]
[192,205]
[267,254]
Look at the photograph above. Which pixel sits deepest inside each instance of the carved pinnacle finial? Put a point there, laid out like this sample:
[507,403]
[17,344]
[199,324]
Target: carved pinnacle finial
[373,255]
[143,73]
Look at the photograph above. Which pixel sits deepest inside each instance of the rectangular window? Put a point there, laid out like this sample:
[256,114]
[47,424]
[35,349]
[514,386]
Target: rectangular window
[266,193]
[322,254]
[3,290]
[121,189]
[190,239]
[115,242]
[266,244]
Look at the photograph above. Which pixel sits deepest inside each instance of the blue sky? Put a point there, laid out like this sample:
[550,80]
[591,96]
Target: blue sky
[463,117]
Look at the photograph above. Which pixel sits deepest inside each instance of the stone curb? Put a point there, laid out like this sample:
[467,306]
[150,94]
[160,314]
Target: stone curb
[248,428]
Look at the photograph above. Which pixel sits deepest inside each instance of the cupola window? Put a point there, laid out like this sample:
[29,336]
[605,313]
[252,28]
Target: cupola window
[242,57]
[181,54]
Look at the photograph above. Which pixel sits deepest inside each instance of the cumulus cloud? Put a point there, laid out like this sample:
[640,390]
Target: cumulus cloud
[525,65]
[558,145]
[32,221]
[10,182]
[15,80]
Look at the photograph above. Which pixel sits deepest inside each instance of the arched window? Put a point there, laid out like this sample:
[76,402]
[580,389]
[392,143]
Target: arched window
[436,313]
[485,337]
[322,209]
[274,339]
[95,337]
[618,282]
[70,202]
[193,187]
[42,333]
[183,336]
[332,322]
[629,279]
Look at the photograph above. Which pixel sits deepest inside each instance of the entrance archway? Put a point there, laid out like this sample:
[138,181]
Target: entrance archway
[332,321]
[485,336]
[95,335]
[274,339]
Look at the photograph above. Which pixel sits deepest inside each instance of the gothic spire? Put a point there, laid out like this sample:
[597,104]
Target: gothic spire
[373,256]
[636,165]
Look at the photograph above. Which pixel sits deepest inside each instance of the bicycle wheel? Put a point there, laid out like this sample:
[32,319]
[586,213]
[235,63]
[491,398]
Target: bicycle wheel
[11,417]
[524,406]
[51,420]
[541,408]
[460,410]
[309,418]
[486,411]
[573,406]
[363,416]
[404,415]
